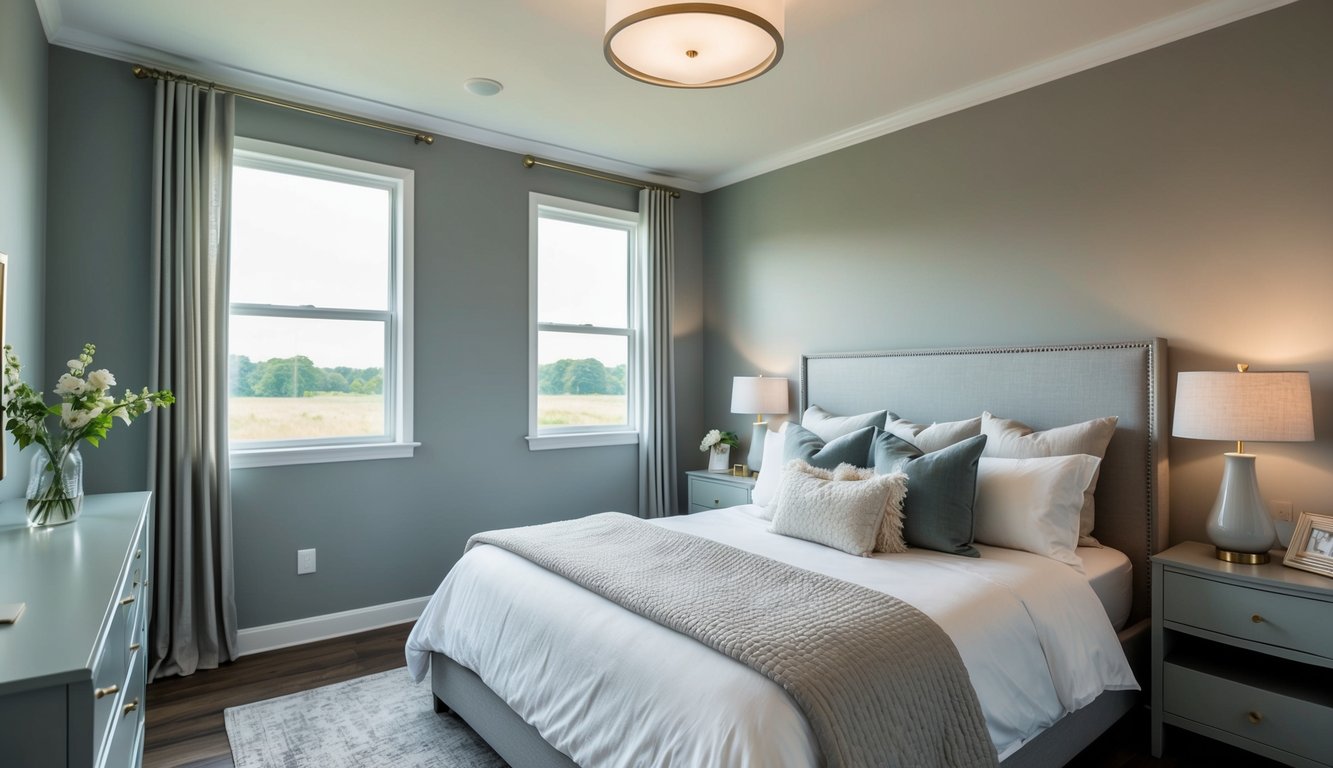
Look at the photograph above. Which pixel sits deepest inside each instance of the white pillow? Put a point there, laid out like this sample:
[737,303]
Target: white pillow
[933,437]
[845,515]
[766,485]
[1033,504]
[1010,439]
[829,427]
[890,538]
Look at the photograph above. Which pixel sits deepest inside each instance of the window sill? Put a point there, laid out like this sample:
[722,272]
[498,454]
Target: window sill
[323,454]
[581,440]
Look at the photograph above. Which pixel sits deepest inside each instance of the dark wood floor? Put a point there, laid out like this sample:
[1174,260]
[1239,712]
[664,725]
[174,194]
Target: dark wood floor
[185,713]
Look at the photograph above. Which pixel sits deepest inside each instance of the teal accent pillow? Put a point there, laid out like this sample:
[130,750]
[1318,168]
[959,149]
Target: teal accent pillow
[852,448]
[941,490]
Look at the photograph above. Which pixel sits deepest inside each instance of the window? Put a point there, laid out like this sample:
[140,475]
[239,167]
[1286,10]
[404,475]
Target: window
[584,278]
[319,339]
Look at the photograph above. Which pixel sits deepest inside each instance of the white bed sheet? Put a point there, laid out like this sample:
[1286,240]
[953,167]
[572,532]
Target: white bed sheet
[1111,576]
[608,687]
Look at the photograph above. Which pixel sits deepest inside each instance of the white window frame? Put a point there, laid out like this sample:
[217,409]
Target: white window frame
[583,436]
[397,441]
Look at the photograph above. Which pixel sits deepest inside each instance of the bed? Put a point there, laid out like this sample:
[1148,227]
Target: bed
[1042,386]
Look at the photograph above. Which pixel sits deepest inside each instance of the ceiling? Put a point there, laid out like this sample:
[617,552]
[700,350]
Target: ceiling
[851,70]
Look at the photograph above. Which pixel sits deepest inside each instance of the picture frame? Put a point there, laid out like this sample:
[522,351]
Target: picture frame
[1311,546]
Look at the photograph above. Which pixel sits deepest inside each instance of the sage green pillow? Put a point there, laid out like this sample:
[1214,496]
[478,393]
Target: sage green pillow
[941,490]
[852,448]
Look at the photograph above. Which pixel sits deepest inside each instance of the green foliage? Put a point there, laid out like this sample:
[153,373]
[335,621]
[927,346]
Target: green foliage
[580,377]
[298,377]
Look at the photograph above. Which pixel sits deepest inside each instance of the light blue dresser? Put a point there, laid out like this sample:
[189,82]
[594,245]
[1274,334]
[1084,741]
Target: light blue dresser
[1243,654]
[72,668]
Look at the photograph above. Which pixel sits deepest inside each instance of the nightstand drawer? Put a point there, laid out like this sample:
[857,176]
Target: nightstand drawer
[1282,722]
[716,494]
[1281,620]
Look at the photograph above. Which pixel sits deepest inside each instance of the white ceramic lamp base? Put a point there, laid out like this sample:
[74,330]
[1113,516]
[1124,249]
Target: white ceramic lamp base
[756,457]
[1239,524]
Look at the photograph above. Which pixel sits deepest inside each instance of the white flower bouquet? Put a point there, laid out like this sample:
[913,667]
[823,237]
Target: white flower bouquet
[716,438]
[87,412]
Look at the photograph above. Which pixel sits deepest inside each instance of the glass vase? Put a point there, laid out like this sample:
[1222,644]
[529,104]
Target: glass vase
[55,489]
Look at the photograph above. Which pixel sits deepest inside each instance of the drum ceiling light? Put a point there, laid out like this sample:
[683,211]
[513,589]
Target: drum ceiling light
[693,45]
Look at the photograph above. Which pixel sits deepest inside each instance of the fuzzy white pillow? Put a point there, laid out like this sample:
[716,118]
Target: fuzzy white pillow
[843,514]
[1033,504]
[890,538]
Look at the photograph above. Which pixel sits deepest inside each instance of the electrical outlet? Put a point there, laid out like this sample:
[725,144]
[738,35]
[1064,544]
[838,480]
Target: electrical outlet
[1281,510]
[305,560]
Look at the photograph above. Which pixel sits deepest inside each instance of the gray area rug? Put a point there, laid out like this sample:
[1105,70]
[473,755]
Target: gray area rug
[381,720]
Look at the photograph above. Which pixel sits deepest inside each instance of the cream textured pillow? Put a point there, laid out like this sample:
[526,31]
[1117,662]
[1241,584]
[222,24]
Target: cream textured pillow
[845,515]
[933,437]
[1033,504]
[890,538]
[1009,439]
[830,427]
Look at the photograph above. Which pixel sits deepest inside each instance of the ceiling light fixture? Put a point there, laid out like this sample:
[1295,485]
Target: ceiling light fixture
[693,45]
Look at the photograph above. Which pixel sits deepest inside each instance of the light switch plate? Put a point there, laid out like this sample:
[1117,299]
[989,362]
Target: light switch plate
[305,561]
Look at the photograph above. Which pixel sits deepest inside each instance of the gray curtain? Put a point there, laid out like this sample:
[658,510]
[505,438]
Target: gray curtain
[657,361]
[194,606]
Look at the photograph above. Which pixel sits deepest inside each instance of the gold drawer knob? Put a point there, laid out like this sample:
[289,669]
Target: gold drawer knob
[128,708]
[102,693]
[717,501]
[138,553]
[1257,619]
[134,647]
[1254,717]
[127,600]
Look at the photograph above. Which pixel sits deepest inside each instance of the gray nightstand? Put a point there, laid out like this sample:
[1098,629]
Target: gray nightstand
[713,490]
[1243,654]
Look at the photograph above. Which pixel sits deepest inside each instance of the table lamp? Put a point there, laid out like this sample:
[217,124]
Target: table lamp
[758,395]
[1269,406]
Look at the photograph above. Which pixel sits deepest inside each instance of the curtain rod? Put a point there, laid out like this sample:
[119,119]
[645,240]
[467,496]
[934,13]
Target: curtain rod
[530,161]
[419,137]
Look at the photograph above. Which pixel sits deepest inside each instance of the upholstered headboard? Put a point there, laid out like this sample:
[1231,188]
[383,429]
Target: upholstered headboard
[1043,387]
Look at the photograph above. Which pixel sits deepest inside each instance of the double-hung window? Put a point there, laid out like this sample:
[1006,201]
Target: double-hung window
[319,338]
[584,284]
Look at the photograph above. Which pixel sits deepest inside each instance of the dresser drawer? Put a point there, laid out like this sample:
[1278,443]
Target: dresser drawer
[1282,722]
[1251,614]
[716,494]
[127,720]
[109,675]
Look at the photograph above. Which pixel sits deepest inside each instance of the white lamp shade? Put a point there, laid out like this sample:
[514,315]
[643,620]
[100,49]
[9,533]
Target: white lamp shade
[758,394]
[1266,406]
[693,45]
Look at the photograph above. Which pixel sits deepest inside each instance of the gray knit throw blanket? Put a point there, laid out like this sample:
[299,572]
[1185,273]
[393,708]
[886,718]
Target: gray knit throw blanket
[879,682]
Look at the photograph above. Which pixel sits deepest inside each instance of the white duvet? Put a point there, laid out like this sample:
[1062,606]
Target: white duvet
[610,688]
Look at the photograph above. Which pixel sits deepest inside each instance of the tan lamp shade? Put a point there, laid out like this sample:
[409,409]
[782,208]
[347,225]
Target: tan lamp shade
[1265,406]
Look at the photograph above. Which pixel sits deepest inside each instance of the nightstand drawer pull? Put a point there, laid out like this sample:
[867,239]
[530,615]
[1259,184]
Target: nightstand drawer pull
[102,693]
[128,708]
[1255,718]
[127,600]
[1257,619]
[717,501]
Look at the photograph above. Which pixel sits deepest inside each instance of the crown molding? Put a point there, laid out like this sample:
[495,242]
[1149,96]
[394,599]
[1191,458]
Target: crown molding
[1198,19]
[1185,24]
[106,47]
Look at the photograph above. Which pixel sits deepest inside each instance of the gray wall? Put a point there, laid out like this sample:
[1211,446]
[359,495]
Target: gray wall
[23,142]
[1185,192]
[385,530]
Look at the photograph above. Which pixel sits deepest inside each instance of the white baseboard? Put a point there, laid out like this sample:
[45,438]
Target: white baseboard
[284,634]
